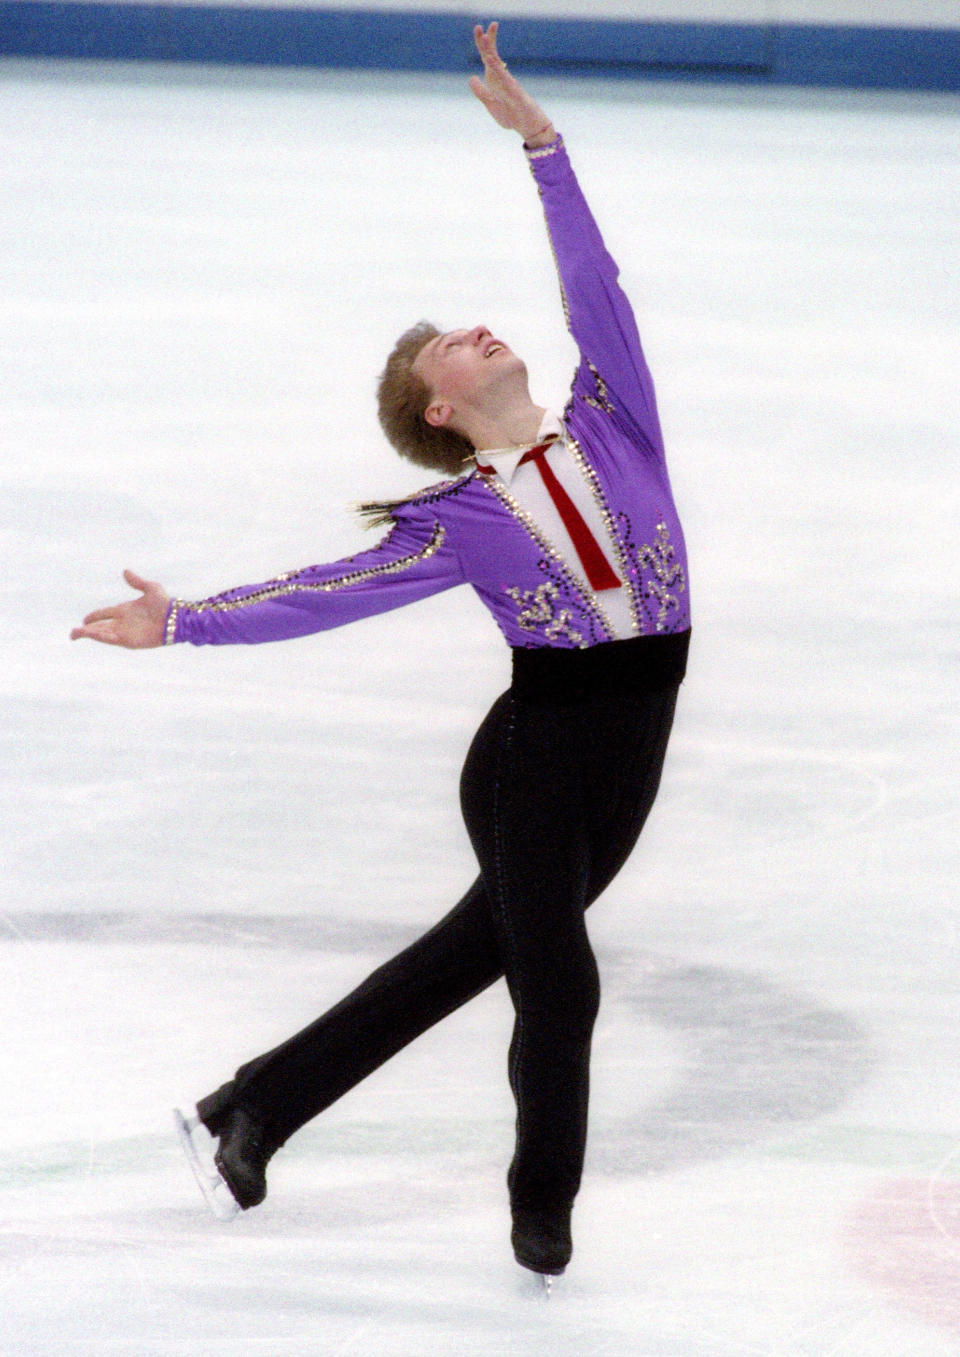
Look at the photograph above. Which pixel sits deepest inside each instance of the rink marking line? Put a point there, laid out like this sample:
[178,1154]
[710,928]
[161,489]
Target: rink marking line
[760,1061]
[736,1030]
[63,1164]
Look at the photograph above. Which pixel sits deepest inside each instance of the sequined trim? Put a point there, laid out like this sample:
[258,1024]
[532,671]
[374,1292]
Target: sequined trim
[658,557]
[292,584]
[429,494]
[552,149]
[175,605]
[602,399]
[570,578]
[541,152]
[623,562]
[539,612]
[564,302]
[376,513]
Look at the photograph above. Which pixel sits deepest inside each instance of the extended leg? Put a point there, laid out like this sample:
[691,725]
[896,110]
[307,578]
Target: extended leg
[289,1085]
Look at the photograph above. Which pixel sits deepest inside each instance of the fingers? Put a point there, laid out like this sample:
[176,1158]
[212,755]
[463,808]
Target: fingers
[493,64]
[500,93]
[108,614]
[137,582]
[486,42]
[137,624]
[101,615]
[97,631]
[481,91]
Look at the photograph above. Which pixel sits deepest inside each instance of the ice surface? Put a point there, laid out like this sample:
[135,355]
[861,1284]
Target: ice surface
[200,275]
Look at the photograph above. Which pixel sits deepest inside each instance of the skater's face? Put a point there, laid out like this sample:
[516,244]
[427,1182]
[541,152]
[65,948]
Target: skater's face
[464,370]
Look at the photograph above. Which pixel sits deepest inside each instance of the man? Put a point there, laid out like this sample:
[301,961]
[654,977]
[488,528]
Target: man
[567,529]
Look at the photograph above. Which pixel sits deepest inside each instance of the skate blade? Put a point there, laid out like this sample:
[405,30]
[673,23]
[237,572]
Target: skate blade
[216,1193]
[541,1285]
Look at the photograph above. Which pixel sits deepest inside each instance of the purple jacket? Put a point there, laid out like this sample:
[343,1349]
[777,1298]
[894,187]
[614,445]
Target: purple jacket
[470,531]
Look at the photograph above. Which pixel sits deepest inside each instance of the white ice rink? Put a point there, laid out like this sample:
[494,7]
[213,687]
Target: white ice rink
[200,276]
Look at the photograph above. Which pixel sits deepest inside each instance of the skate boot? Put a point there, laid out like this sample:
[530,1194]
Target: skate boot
[242,1157]
[232,1177]
[541,1241]
[214,1110]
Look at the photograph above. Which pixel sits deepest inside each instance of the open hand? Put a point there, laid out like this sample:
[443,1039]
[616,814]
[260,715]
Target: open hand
[138,624]
[504,97]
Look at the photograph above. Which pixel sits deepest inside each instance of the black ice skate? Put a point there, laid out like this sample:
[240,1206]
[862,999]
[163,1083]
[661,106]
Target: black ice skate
[234,1178]
[242,1158]
[542,1242]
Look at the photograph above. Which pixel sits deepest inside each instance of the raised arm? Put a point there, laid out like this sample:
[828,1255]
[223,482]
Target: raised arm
[613,372]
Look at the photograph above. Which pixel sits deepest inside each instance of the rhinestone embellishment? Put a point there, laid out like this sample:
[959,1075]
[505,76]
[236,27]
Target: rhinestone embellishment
[293,583]
[668,574]
[602,399]
[590,476]
[571,580]
[539,611]
[541,152]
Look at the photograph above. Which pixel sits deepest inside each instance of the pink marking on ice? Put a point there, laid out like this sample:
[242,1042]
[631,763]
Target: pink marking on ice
[905,1239]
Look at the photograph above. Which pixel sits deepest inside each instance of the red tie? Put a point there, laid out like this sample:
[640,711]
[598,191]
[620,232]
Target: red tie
[595,564]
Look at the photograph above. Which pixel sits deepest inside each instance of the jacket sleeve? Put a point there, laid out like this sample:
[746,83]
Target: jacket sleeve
[613,370]
[413,561]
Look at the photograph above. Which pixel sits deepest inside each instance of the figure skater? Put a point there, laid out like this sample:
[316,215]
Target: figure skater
[565,526]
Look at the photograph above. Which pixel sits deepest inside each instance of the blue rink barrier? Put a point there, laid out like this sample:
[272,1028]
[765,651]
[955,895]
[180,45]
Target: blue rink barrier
[777,54]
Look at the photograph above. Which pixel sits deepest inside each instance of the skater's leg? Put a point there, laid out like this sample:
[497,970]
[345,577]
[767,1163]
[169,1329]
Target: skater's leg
[521,802]
[550,844]
[291,1084]
[622,791]
[443,969]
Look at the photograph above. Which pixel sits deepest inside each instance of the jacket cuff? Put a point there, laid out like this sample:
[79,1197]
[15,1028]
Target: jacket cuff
[542,152]
[170,626]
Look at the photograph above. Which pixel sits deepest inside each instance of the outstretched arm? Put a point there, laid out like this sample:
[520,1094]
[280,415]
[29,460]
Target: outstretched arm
[136,625]
[412,562]
[613,373]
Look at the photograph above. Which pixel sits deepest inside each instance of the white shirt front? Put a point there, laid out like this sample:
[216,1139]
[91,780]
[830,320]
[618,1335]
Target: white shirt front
[527,487]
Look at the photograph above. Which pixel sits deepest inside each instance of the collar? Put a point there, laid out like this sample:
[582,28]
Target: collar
[506,460]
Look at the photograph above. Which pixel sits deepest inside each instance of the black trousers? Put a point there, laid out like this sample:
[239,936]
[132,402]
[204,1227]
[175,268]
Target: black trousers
[556,787]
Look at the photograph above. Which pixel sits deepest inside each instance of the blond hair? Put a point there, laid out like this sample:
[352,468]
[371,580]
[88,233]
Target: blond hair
[402,399]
